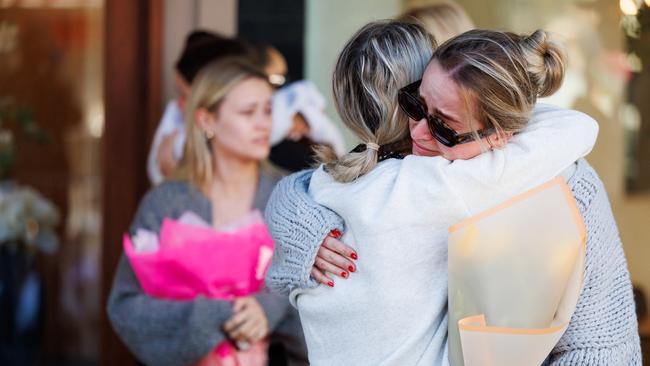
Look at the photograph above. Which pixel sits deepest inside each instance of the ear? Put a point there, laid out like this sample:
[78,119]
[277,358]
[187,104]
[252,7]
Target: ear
[203,119]
[500,139]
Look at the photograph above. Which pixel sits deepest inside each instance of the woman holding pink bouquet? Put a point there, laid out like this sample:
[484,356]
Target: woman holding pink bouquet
[223,178]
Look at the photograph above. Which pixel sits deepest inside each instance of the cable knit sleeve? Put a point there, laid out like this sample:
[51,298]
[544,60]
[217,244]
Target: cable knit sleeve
[603,329]
[298,226]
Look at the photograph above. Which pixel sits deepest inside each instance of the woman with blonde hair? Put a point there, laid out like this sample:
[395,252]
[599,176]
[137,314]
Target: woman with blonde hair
[470,153]
[224,175]
[444,19]
[397,208]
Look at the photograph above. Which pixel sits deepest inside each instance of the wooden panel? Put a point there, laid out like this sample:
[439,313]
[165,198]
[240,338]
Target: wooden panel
[132,105]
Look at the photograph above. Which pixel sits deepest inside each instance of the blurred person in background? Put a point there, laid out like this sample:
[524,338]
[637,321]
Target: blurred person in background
[299,121]
[200,49]
[223,176]
[443,20]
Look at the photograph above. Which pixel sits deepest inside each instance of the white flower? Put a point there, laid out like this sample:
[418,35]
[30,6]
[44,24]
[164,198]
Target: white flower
[27,217]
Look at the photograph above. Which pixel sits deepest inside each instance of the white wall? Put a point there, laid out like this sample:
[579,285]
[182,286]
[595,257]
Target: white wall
[181,17]
[328,25]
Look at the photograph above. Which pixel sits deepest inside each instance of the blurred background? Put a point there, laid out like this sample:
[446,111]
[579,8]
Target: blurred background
[83,84]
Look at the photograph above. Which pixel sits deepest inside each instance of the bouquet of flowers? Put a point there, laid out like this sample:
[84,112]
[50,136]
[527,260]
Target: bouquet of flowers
[515,274]
[190,258]
[27,218]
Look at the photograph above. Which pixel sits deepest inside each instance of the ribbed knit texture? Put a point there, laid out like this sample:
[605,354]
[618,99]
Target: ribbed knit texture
[302,225]
[603,329]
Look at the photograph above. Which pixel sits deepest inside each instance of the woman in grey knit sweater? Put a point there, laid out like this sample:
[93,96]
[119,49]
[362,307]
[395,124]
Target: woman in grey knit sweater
[224,178]
[603,330]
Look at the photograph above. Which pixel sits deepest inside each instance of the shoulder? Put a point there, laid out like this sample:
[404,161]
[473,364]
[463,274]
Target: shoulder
[587,187]
[546,111]
[271,172]
[169,191]
[168,199]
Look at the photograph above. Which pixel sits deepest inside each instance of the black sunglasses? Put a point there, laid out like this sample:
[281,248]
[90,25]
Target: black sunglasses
[410,102]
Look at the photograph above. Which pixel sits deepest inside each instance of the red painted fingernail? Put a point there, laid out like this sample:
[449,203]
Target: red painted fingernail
[351,268]
[336,233]
[330,284]
[354,256]
[344,274]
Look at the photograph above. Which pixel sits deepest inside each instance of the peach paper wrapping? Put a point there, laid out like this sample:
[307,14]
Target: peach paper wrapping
[515,274]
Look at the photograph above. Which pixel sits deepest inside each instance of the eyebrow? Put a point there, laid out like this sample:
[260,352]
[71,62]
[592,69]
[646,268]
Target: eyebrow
[446,116]
[437,111]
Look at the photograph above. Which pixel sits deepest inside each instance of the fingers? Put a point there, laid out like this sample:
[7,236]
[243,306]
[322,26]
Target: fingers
[260,334]
[249,324]
[334,257]
[235,321]
[246,330]
[331,262]
[334,244]
[239,304]
[321,278]
[250,332]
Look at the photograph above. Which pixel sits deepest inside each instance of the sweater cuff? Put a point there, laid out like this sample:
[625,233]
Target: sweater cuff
[298,226]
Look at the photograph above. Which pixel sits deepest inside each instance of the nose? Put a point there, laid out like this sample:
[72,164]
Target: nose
[420,130]
[263,121]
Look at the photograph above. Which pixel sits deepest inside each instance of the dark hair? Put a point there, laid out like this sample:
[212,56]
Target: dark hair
[202,48]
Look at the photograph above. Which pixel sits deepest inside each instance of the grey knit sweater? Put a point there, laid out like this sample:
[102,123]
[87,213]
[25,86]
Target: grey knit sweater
[161,332]
[603,329]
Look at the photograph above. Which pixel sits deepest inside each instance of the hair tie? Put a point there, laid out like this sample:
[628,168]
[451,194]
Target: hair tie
[372,146]
[389,151]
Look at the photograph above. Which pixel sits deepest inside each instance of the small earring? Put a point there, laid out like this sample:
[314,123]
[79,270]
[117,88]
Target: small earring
[487,138]
[209,134]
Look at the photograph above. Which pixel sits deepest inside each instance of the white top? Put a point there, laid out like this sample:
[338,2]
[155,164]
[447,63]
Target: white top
[393,311]
[303,97]
[171,121]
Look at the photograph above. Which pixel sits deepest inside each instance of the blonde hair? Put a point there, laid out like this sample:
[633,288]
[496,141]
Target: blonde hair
[375,63]
[443,19]
[501,74]
[209,88]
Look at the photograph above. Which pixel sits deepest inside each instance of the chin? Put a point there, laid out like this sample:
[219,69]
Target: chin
[259,154]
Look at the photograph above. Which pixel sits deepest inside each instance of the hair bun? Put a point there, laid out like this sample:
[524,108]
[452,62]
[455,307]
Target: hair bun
[546,62]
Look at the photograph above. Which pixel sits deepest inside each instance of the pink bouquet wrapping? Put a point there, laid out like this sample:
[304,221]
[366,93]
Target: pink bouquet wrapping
[190,259]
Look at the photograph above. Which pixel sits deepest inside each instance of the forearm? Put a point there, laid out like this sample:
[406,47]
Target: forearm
[275,307]
[298,226]
[162,332]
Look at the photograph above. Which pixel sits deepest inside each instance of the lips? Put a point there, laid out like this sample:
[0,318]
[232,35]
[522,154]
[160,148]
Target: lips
[422,148]
[261,140]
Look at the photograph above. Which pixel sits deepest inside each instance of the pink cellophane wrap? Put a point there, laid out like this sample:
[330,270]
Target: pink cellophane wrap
[193,259]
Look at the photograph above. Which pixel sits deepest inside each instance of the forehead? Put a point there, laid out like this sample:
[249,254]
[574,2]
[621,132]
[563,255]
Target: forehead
[249,90]
[440,91]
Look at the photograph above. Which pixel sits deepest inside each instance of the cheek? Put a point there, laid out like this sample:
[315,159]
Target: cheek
[234,130]
[461,152]
[419,130]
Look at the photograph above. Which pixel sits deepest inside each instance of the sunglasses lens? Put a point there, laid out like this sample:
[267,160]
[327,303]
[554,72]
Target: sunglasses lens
[410,106]
[441,132]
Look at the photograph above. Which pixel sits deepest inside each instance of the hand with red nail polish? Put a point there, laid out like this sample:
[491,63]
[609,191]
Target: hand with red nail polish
[333,258]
